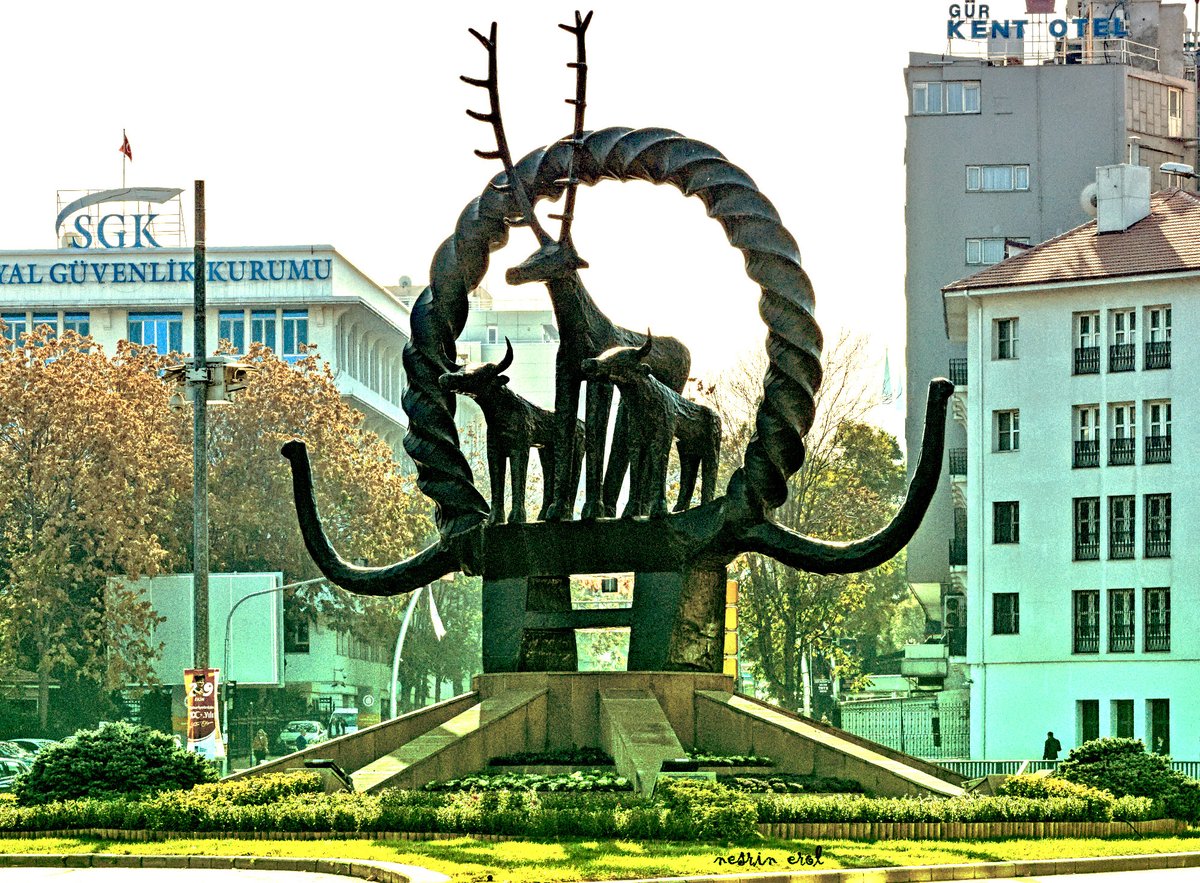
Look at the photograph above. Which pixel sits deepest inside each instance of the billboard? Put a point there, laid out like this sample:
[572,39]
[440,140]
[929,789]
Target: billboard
[256,627]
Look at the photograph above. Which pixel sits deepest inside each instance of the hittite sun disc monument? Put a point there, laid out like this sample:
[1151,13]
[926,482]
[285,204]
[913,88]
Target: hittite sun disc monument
[678,555]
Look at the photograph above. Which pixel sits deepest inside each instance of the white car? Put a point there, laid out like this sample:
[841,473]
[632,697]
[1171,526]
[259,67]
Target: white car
[33,746]
[313,732]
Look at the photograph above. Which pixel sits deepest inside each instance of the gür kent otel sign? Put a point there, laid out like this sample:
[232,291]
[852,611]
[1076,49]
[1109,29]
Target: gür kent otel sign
[970,21]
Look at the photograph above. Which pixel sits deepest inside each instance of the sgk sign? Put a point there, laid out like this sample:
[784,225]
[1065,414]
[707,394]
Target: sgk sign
[113,229]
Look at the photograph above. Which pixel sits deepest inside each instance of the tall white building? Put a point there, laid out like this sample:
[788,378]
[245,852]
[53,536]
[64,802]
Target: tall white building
[1081,558]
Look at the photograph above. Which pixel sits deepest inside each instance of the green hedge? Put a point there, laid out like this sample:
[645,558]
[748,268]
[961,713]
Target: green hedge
[1123,767]
[788,783]
[590,781]
[853,808]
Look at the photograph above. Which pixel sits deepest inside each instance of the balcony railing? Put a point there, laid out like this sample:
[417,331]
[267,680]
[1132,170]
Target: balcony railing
[958,551]
[1157,354]
[1158,449]
[1121,451]
[958,372]
[1121,357]
[1087,640]
[1087,360]
[1087,550]
[1158,636]
[958,461]
[1120,545]
[1087,454]
[1158,544]
[1120,639]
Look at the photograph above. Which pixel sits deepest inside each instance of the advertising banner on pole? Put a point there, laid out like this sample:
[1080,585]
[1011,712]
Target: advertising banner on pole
[203,727]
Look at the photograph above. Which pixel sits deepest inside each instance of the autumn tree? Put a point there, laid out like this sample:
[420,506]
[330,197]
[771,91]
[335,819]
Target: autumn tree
[851,484]
[92,466]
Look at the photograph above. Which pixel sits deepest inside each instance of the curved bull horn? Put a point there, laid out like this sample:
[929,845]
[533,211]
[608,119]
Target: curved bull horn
[820,556]
[404,576]
[644,349]
[503,364]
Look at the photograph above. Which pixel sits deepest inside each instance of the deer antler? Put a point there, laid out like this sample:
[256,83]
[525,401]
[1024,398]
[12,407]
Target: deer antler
[579,29]
[501,152]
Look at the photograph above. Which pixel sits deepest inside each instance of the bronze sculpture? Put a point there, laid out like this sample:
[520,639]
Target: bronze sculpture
[514,425]
[679,560]
[656,416]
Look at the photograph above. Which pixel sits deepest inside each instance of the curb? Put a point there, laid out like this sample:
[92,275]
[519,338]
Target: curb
[382,872]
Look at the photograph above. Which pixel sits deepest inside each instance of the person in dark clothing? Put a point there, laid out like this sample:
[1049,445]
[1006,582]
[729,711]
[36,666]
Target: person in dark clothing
[1051,749]
[301,742]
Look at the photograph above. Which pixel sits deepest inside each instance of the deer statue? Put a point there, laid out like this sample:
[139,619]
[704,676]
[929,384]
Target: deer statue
[656,415]
[584,330]
[514,425]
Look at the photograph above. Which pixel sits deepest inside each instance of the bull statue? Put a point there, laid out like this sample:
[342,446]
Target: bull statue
[514,425]
[656,414]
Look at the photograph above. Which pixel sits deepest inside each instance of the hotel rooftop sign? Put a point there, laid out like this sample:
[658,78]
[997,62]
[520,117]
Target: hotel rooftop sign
[972,21]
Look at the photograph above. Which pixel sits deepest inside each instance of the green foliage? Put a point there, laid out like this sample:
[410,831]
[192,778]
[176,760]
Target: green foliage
[117,760]
[707,810]
[784,783]
[849,808]
[730,759]
[567,757]
[1123,767]
[580,780]
[1047,786]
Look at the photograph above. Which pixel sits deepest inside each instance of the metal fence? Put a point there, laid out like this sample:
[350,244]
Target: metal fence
[975,769]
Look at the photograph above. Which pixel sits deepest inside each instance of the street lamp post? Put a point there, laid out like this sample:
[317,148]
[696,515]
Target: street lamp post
[225,658]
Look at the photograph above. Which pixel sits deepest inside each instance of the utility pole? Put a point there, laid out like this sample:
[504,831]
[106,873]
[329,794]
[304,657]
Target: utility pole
[199,387]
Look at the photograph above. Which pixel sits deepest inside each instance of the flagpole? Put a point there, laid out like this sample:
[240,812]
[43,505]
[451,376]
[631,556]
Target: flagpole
[124,157]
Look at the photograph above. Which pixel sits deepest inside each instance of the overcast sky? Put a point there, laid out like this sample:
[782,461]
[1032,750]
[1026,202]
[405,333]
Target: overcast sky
[343,123]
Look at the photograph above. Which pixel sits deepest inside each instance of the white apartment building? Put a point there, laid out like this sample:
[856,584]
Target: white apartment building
[1073,504]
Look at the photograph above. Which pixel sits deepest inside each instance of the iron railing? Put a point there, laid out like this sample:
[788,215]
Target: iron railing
[1158,544]
[1120,639]
[1122,451]
[1087,550]
[1158,636]
[1158,449]
[1120,545]
[958,551]
[958,372]
[1121,356]
[958,461]
[977,769]
[1157,354]
[1087,360]
[1087,639]
[1087,454]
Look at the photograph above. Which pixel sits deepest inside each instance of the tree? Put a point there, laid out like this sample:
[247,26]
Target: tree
[92,466]
[851,484]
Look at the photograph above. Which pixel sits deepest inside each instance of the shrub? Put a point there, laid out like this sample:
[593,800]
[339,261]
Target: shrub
[853,808]
[730,759]
[706,810]
[117,760]
[581,780]
[786,783]
[1046,786]
[566,757]
[1123,767]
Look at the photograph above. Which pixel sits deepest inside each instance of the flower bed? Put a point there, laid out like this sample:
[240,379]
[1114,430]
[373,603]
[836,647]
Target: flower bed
[589,780]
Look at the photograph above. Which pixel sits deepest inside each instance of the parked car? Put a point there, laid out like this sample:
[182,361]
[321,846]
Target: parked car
[10,768]
[33,746]
[12,749]
[313,731]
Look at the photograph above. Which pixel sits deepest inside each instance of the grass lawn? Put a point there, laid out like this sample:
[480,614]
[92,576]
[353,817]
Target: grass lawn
[522,861]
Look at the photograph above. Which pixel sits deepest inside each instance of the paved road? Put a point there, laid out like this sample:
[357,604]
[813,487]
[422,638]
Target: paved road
[166,875]
[1168,875]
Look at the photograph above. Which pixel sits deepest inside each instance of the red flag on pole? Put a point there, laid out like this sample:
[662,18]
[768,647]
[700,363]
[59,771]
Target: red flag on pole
[125,148]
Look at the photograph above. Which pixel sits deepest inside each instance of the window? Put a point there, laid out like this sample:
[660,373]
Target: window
[1087,528]
[15,325]
[1158,432]
[80,323]
[1157,615]
[262,327]
[958,541]
[1158,526]
[1120,620]
[1158,723]
[1088,714]
[162,331]
[1087,343]
[1122,718]
[1006,526]
[1086,607]
[999,179]
[1006,338]
[985,251]
[937,97]
[1008,430]
[1158,343]
[232,327]
[295,634]
[1120,527]
[1123,325]
[295,334]
[1122,439]
[1006,613]
[49,320]
[493,334]
[1174,112]
[343,643]
[1087,436]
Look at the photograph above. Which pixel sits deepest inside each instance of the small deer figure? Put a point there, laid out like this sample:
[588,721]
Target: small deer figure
[514,425]
[655,415]
[584,330]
